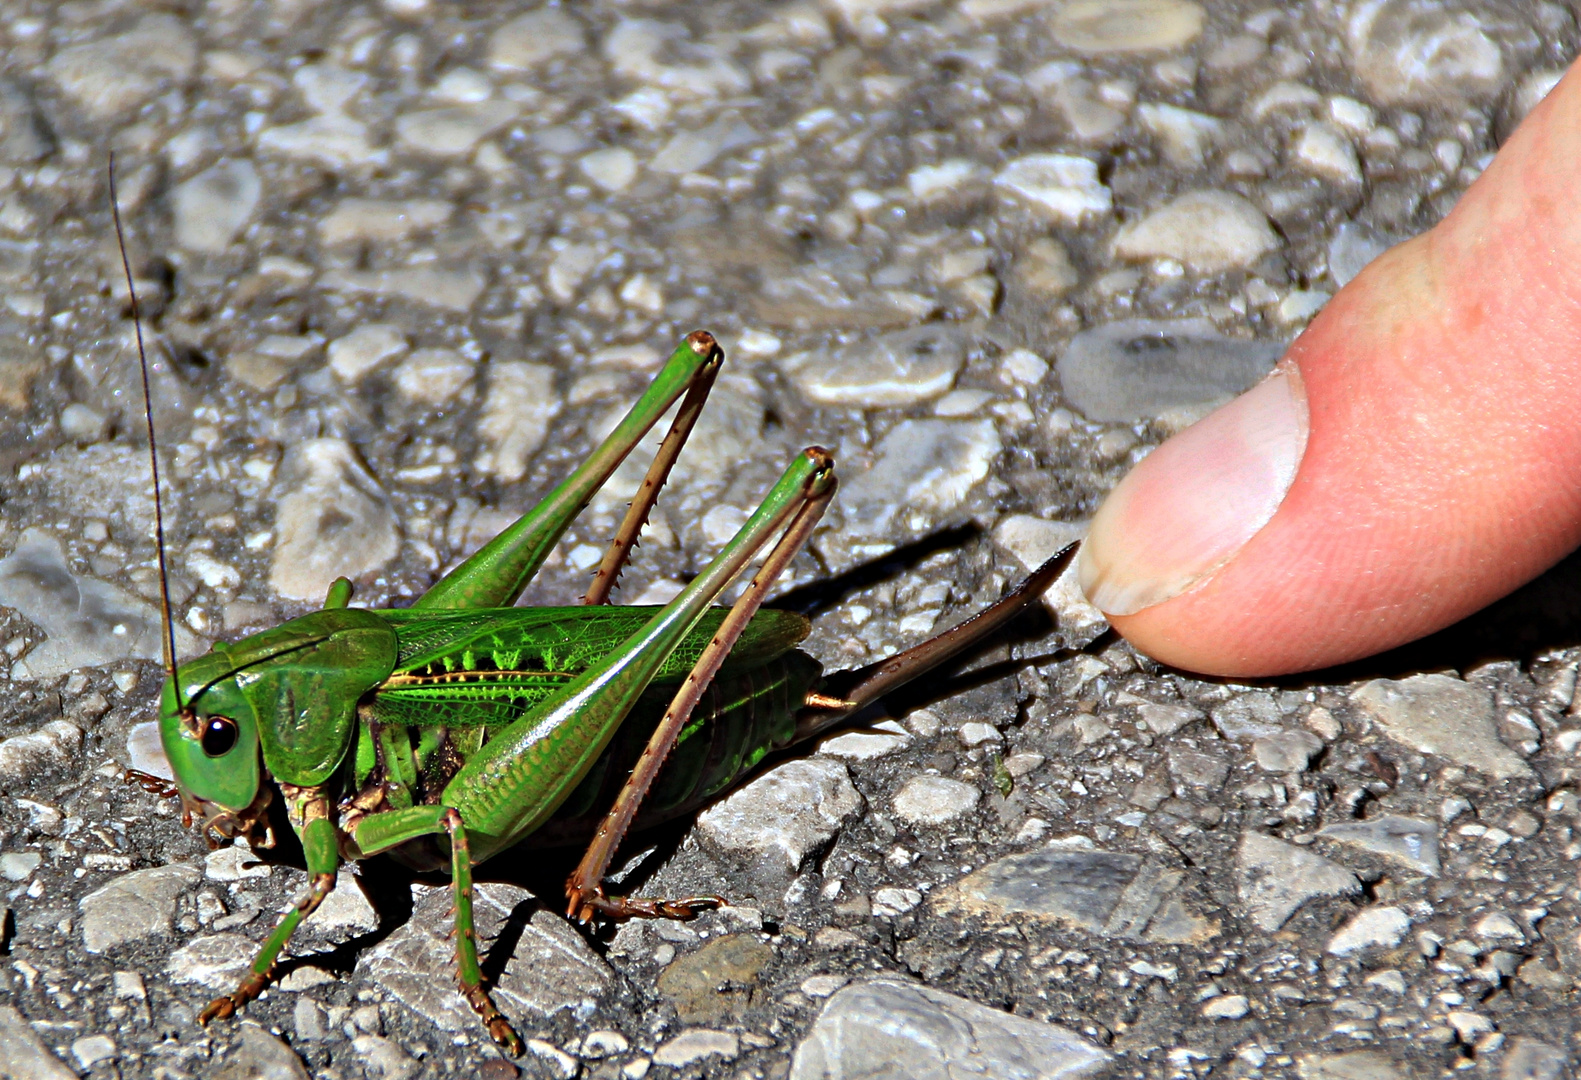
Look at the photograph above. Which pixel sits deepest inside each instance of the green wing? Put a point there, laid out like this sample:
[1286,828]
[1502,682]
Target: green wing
[485,667]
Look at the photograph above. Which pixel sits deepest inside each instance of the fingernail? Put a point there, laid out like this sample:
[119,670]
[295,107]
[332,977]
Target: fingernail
[1190,505]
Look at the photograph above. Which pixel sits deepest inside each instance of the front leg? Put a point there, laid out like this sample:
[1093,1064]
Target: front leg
[380,832]
[321,847]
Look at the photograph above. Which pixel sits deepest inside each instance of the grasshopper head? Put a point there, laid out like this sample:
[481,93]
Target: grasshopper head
[212,743]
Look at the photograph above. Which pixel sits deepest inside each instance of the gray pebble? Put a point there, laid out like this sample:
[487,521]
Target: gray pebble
[551,970]
[1411,841]
[1417,52]
[890,1028]
[1438,714]
[785,815]
[926,466]
[216,962]
[24,1054]
[134,906]
[1276,878]
[333,520]
[934,800]
[1286,751]
[1139,368]
[213,207]
[261,1056]
[1111,893]
[901,368]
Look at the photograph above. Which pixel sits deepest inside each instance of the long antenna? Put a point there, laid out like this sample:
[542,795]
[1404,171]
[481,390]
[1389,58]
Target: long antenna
[169,643]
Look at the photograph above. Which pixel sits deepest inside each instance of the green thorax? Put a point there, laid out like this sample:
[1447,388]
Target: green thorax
[293,690]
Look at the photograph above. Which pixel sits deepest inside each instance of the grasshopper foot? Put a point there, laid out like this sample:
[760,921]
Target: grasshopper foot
[500,1029]
[222,1008]
[586,904]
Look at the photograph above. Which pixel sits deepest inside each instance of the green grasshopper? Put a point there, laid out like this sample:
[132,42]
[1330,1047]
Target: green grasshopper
[448,732]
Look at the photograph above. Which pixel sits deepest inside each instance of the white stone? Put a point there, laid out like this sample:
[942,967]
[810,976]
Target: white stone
[436,286]
[1059,187]
[782,816]
[1226,1007]
[561,1065]
[1354,116]
[643,50]
[531,39]
[463,86]
[1023,367]
[88,622]
[1300,305]
[92,1049]
[433,377]
[865,745]
[333,520]
[934,800]
[1276,878]
[569,268]
[905,367]
[1285,96]
[1469,1025]
[328,88]
[453,130]
[365,349]
[52,746]
[1411,841]
[24,1054]
[1497,925]
[19,865]
[1534,86]
[1324,149]
[695,1045]
[602,1044]
[1439,714]
[1287,751]
[1374,926]
[332,140]
[1209,231]
[215,961]
[358,220]
[976,733]
[1183,135]
[211,571]
[930,182]
[1420,52]
[121,71]
[235,862]
[926,466]
[346,912]
[612,169]
[692,150]
[894,1028]
[520,405]
[1108,27]
[133,906]
[892,902]
[213,207]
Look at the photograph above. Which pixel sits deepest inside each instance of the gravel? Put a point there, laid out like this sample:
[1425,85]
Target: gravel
[401,266]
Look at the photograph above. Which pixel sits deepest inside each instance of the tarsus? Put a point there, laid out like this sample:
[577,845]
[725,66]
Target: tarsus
[169,643]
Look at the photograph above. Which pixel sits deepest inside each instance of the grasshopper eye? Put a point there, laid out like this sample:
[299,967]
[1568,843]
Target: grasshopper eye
[219,735]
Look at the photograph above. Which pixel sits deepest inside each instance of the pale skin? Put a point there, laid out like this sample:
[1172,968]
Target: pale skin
[1425,454]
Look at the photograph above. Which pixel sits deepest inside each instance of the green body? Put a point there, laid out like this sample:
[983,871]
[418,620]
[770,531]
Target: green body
[453,730]
[469,719]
